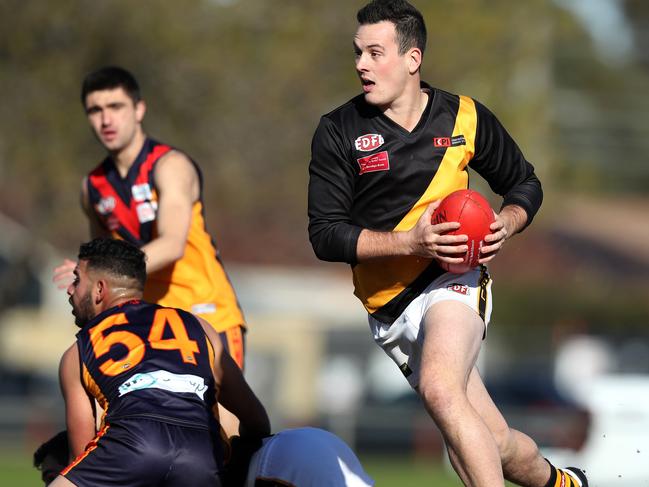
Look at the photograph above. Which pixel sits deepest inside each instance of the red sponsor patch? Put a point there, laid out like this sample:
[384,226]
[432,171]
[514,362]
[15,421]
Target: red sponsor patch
[449,141]
[458,288]
[368,142]
[376,162]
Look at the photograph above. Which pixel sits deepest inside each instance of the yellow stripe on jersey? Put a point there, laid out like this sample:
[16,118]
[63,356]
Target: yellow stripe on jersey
[451,175]
[377,282]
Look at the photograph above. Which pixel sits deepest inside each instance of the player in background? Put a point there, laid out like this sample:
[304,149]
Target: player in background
[156,371]
[150,194]
[380,164]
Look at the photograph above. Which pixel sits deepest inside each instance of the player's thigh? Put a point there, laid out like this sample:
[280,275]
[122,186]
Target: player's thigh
[61,481]
[452,337]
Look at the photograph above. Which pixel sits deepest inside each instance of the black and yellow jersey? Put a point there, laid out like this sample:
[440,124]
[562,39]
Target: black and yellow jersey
[143,360]
[366,171]
[127,208]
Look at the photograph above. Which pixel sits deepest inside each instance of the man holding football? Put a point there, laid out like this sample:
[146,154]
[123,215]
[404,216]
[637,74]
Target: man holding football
[380,164]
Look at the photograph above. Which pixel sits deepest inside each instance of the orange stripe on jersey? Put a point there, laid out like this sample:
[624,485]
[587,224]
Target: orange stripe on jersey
[92,387]
[89,448]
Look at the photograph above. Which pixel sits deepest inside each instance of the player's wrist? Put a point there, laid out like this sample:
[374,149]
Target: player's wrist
[405,243]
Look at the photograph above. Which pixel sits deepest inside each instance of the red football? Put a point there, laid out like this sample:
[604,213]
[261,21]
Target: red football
[475,216]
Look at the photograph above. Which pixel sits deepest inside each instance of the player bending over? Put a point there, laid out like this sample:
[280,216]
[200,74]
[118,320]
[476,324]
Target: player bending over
[157,373]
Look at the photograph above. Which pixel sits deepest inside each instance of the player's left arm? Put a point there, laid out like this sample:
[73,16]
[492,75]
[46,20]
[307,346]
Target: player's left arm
[499,160]
[79,407]
[234,392]
[178,187]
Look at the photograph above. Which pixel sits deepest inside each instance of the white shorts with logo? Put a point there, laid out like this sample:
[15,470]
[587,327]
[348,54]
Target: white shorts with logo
[403,339]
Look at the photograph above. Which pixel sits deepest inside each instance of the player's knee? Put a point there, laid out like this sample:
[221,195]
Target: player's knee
[438,399]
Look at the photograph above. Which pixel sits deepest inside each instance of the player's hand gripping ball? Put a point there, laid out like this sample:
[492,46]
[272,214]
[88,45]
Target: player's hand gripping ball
[475,216]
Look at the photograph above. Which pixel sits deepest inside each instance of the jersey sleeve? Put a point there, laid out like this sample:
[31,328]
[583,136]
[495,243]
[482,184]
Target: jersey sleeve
[331,185]
[502,164]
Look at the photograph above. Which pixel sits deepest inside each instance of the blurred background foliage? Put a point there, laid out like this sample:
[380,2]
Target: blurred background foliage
[240,86]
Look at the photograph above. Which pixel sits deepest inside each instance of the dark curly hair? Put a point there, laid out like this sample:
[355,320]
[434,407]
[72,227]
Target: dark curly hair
[408,21]
[117,257]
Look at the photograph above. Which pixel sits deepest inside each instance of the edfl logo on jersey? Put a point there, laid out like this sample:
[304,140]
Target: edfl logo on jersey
[368,142]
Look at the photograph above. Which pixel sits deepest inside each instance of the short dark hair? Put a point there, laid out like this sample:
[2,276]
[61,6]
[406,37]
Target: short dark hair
[108,78]
[57,446]
[408,21]
[115,256]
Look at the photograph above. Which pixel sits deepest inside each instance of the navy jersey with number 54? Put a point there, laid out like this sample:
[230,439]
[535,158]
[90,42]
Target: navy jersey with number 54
[143,360]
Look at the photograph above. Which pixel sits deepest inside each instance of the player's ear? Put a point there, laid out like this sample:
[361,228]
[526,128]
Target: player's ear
[99,291]
[414,58]
[140,110]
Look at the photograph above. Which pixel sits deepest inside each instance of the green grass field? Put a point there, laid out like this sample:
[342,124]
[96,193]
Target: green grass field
[16,470]
[406,472]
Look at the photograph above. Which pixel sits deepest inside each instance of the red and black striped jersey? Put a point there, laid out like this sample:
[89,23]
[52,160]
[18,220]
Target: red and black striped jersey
[143,360]
[366,171]
[127,208]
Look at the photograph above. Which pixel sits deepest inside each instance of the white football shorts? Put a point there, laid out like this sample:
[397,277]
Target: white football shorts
[403,339]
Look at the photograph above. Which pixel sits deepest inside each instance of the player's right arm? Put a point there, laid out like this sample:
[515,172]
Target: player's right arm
[424,239]
[63,274]
[334,236]
[234,392]
[79,411]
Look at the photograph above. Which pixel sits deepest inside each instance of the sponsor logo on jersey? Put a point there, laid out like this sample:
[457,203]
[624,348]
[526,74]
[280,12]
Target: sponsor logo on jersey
[106,205]
[368,142]
[449,141]
[458,288]
[376,162]
[146,211]
[141,192]
[168,381]
[203,308]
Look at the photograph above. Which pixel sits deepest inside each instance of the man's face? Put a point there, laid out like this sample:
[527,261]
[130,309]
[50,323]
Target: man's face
[382,71]
[80,295]
[114,117]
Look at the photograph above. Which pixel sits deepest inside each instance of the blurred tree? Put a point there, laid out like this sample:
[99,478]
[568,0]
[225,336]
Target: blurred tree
[240,86]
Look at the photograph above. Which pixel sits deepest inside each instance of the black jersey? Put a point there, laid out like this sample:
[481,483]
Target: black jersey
[144,360]
[366,171]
